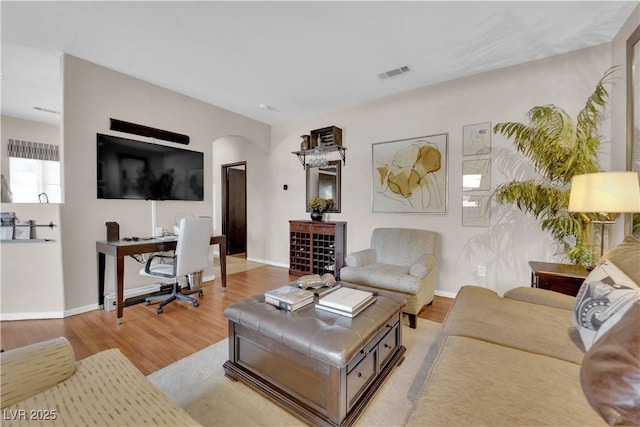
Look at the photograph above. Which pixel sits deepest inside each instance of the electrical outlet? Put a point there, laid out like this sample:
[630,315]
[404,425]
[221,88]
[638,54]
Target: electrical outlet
[482,271]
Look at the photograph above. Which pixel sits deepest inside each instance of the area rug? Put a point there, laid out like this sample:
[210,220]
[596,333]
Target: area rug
[197,383]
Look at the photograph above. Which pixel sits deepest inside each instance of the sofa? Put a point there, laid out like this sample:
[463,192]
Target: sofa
[43,384]
[531,357]
[401,261]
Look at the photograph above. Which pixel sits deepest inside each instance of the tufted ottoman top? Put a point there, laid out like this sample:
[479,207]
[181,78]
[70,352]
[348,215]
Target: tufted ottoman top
[326,336]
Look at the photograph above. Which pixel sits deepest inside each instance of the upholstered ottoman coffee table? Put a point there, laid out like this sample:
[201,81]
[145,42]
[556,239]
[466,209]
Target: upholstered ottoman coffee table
[322,367]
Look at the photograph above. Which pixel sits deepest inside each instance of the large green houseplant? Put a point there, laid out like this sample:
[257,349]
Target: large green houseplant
[558,149]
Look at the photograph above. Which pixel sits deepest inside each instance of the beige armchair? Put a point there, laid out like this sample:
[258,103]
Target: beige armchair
[400,260]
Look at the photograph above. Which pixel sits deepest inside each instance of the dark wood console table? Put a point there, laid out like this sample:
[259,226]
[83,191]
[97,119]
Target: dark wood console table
[121,248]
[563,278]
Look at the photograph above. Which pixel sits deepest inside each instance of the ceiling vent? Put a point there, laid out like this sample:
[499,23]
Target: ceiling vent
[46,110]
[393,73]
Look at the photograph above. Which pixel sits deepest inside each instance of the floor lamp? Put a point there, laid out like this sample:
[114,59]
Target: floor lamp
[605,193]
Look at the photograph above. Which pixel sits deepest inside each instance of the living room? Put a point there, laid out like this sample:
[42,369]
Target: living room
[64,285]
[93,94]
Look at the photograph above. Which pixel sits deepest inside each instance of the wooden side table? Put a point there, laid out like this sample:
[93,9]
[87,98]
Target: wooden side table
[563,278]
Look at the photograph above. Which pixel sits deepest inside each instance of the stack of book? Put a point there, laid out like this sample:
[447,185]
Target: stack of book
[346,301]
[288,297]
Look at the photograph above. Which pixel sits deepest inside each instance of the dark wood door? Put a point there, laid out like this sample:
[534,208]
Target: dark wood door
[235,224]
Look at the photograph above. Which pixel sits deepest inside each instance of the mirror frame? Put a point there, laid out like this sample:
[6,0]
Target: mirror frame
[633,121]
[338,165]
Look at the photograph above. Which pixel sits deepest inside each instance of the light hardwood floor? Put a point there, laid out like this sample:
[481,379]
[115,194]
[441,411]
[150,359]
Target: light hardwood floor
[153,341]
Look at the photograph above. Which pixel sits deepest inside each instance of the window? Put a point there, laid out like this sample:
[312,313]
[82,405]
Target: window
[34,172]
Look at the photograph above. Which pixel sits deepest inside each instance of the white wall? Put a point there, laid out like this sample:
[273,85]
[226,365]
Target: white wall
[504,95]
[91,96]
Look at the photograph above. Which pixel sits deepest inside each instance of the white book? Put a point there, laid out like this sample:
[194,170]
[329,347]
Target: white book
[347,313]
[346,299]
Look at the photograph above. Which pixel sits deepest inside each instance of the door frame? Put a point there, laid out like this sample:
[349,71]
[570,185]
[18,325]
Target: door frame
[225,199]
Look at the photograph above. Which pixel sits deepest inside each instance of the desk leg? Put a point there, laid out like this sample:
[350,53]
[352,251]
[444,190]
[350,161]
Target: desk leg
[120,288]
[223,263]
[101,263]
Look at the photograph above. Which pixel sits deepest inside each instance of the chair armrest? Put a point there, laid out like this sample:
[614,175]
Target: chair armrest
[147,267]
[360,258]
[423,266]
[542,297]
[26,371]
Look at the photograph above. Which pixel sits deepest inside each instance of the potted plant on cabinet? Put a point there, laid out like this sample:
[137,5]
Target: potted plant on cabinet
[318,206]
[558,149]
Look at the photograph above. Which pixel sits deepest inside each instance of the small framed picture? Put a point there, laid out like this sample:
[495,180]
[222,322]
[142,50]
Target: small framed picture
[476,175]
[476,139]
[476,211]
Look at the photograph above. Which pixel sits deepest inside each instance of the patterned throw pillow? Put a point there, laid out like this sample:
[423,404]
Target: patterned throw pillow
[606,294]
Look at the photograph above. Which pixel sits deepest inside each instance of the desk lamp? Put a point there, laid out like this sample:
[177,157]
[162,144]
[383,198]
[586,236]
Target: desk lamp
[605,193]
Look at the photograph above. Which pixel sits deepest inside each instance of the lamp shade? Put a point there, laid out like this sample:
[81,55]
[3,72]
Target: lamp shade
[605,192]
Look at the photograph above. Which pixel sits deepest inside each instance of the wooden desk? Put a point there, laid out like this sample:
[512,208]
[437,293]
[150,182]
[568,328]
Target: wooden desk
[563,278]
[120,248]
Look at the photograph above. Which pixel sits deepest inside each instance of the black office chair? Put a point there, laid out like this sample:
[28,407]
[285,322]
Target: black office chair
[191,256]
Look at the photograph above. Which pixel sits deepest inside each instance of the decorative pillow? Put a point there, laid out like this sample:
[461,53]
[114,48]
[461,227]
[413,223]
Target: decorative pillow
[611,372]
[606,294]
[626,256]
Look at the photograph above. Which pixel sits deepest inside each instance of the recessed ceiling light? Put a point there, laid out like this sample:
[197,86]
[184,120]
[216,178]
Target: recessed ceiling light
[264,106]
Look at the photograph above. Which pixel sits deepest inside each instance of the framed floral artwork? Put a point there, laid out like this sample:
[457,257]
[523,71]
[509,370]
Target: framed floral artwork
[410,175]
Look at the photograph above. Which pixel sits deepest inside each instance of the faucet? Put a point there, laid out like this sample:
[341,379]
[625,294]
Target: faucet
[46,198]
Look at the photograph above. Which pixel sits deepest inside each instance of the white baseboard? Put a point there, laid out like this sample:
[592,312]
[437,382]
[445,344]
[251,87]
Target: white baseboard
[264,261]
[32,316]
[80,310]
[446,294]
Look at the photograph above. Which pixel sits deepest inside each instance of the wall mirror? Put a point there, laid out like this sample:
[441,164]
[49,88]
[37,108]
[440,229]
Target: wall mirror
[324,182]
[632,225]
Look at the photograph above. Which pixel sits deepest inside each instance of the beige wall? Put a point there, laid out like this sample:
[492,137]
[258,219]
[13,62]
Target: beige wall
[31,273]
[91,96]
[504,95]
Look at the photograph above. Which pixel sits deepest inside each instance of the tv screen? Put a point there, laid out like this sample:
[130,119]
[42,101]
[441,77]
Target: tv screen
[129,169]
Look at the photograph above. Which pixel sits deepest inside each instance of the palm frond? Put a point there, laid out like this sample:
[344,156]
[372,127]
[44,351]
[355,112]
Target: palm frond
[558,149]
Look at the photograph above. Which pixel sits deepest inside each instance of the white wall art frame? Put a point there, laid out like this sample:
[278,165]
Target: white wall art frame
[476,210]
[476,139]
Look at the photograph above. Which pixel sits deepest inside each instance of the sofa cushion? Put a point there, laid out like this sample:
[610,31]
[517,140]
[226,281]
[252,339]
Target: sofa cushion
[476,383]
[542,297]
[106,390]
[480,313]
[626,256]
[606,294]
[385,276]
[611,371]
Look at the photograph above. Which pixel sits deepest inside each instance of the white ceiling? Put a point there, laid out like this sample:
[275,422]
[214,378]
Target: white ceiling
[299,58]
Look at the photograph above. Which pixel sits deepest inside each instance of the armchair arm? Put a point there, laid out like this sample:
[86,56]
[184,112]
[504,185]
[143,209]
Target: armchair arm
[26,371]
[423,266]
[360,258]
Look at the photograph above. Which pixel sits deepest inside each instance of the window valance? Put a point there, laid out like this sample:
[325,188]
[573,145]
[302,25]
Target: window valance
[33,150]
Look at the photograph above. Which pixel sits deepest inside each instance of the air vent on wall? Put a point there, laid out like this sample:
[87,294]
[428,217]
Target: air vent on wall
[393,73]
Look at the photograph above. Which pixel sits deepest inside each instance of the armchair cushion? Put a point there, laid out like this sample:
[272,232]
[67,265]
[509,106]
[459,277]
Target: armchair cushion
[385,276]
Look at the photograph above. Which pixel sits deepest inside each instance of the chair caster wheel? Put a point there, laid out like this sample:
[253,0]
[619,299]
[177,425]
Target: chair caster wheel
[147,303]
[200,294]
[160,310]
[196,303]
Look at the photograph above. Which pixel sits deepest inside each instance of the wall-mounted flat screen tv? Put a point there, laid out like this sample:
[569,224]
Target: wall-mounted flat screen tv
[129,169]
